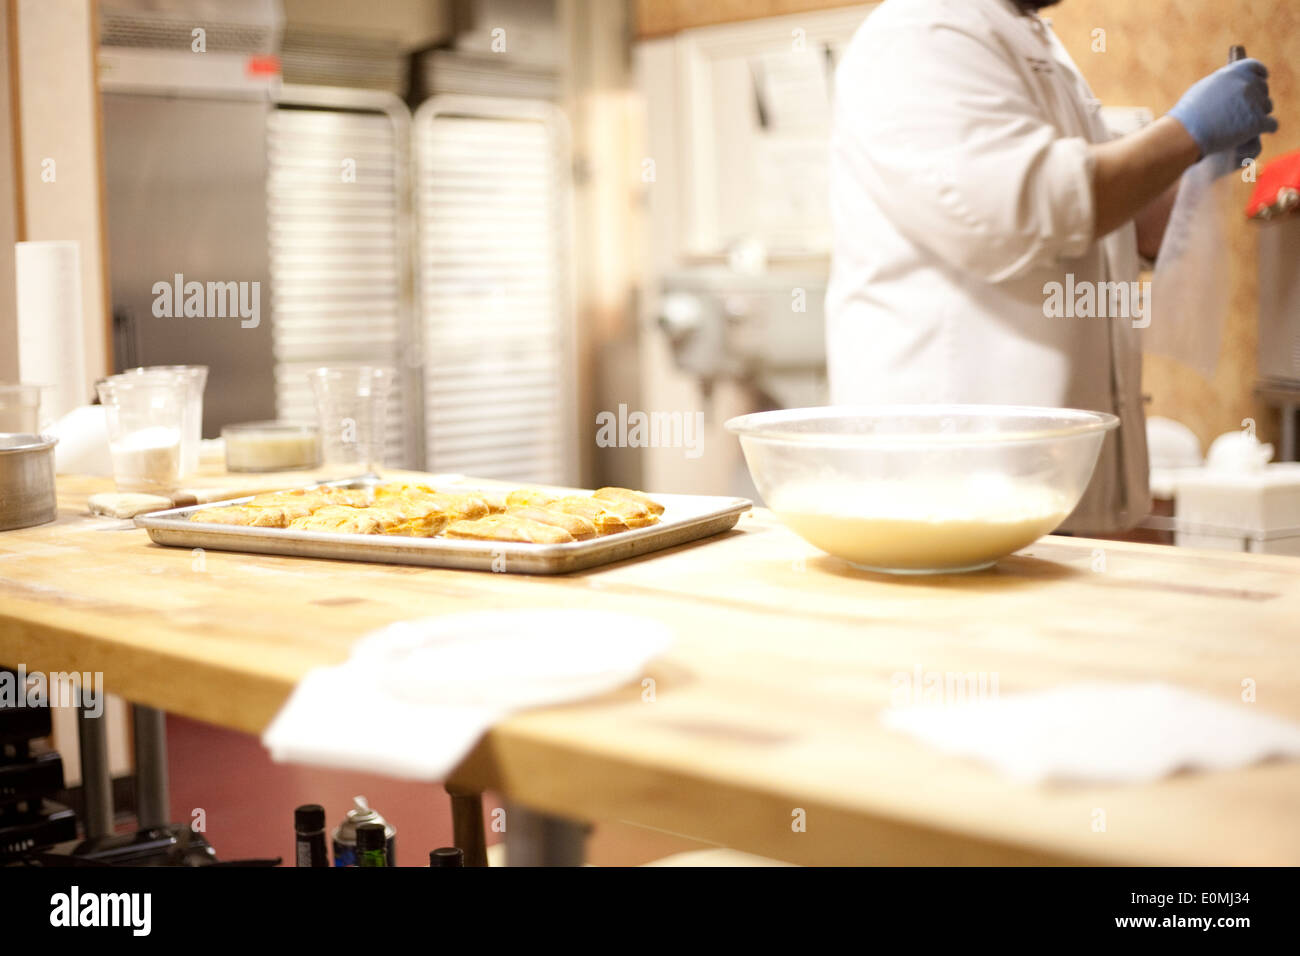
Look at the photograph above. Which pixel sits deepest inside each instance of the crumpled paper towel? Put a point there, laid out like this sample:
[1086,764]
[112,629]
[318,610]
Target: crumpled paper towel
[1101,732]
[415,697]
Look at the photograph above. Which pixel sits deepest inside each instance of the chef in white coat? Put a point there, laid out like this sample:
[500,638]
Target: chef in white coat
[971,170]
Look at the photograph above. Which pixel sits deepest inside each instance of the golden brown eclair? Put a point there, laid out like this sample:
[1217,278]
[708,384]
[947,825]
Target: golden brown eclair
[340,519]
[395,489]
[529,515]
[508,527]
[626,496]
[453,503]
[606,521]
[292,507]
[248,516]
[581,528]
[529,497]
[413,517]
[304,501]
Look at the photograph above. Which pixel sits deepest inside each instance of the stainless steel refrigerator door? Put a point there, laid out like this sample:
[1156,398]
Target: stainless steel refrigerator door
[338,209]
[187,195]
[494,272]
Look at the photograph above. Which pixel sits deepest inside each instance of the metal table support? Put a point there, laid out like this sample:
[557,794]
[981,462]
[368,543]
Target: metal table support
[540,839]
[1286,397]
[1289,449]
[467,825]
[96,779]
[152,808]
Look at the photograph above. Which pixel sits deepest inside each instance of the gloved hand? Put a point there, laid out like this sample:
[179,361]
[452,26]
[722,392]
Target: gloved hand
[1229,109]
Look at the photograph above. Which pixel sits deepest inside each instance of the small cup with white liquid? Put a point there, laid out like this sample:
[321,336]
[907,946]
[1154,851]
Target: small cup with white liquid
[147,415]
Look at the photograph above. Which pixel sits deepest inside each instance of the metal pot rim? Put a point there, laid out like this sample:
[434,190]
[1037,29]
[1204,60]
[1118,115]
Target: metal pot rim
[15,442]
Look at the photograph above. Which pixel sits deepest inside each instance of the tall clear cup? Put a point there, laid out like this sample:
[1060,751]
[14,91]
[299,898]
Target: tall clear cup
[352,404]
[146,417]
[196,379]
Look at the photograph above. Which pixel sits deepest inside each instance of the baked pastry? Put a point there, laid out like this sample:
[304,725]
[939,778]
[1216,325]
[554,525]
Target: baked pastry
[632,518]
[291,507]
[626,496]
[634,508]
[458,505]
[340,519]
[352,497]
[303,501]
[247,516]
[527,497]
[581,528]
[606,522]
[508,527]
[528,515]
[454,504]
[409,516]
[401,489]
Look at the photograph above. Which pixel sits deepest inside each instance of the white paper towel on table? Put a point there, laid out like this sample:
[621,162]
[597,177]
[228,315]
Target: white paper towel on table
[50,335]
[1102,732]
[83,443]
[415,697]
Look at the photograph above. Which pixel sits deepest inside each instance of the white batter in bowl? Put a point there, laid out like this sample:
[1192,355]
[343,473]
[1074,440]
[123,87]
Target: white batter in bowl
[922,488]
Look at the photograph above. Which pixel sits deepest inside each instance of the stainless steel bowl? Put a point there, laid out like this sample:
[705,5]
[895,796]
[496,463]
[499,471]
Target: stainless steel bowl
[26,480]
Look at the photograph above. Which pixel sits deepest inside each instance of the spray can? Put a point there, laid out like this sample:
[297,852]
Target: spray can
[345,834]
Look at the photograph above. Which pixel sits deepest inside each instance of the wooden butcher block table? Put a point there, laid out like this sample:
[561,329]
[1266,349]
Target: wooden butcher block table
[766,711]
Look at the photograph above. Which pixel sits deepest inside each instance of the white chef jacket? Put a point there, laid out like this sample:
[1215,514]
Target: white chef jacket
[960,186]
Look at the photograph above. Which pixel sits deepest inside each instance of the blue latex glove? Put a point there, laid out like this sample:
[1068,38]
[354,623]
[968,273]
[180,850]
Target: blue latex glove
[1229,109]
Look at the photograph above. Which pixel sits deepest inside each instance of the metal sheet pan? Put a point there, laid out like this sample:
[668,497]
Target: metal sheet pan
[685,518]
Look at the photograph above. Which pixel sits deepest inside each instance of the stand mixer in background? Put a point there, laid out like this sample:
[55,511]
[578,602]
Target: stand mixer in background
[764,331]
[751,340]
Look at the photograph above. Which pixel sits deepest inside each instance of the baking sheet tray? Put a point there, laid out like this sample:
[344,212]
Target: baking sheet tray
[685,518]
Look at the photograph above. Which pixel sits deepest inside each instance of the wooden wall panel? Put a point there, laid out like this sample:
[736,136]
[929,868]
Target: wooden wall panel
[661,17]
[11,219]
[58,119]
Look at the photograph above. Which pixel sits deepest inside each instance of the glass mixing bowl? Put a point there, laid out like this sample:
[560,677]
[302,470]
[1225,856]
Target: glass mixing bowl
[922,489]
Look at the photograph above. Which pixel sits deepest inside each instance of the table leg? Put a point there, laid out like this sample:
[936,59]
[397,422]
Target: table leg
[467,825]
[96,778]
[1289,432]
[151,801]
[541,839]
